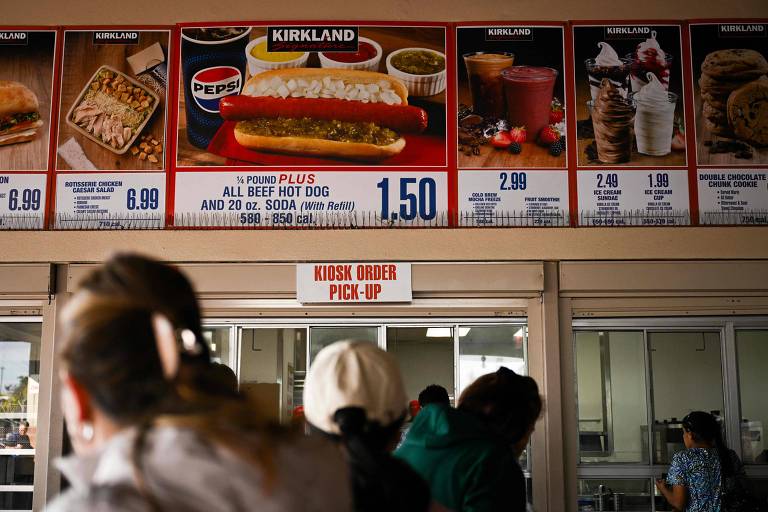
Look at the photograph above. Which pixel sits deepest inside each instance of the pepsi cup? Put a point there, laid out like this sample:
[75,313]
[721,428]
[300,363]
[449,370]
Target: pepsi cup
[213,66]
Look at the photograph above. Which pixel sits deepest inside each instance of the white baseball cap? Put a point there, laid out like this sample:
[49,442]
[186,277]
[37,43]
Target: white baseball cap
[353,374]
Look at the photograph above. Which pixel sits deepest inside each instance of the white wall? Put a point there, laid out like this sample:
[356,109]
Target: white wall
[687,373]
[259,365]
[424,363]
[628,407]
[752,347]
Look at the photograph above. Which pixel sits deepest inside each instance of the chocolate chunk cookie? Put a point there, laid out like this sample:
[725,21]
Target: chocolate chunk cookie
[748,112]
[734,64]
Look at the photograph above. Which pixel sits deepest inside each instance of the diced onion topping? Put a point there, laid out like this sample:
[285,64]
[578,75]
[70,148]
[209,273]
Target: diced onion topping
[380,92]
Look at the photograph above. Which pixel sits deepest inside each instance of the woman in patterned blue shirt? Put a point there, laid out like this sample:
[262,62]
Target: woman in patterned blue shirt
[695,478]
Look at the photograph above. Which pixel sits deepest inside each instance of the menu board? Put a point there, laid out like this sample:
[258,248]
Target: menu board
[628,109]
[729,70]
[305,124]
[111,145]
[511,125]
[27,69]
[296,124]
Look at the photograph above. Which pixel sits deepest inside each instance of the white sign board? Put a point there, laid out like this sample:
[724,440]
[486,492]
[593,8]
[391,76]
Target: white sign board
[333,283]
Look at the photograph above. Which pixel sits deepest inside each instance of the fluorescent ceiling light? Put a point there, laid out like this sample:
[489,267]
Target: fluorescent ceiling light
[519,333]
[438,332]
[463,331]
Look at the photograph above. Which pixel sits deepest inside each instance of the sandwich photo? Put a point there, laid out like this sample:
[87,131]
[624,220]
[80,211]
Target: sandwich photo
[340,113]
[19,113]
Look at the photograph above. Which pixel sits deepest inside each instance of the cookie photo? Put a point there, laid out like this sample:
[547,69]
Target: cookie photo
[734,63]
[748,112]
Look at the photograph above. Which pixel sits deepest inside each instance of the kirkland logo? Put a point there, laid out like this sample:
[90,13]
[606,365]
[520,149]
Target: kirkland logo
[509,34]
[15,38]
[312,39]
[115,38]
[627,32]
[741,30]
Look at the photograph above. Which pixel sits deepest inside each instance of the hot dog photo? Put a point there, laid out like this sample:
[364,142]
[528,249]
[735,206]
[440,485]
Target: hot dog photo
[26,83]
[321,95]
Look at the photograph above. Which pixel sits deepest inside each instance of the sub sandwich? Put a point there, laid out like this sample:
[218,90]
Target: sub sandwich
[19,113]
[339,113]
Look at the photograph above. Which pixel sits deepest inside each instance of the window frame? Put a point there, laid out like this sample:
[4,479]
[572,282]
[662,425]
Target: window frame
[727,327]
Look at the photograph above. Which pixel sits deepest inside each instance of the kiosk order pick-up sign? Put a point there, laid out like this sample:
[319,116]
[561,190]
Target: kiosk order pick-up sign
[353,282]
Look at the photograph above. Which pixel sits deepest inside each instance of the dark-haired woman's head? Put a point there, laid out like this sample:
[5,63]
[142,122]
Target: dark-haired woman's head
[700,428]
[157,285]
[112,375]
[507,402]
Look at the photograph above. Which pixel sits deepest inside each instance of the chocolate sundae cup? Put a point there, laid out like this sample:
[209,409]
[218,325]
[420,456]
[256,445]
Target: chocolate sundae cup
[613,117]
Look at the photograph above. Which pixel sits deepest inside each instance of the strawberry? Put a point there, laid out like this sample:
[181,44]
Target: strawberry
[501,140]
[678,142]
[518,134]
[548,135]
[556,114]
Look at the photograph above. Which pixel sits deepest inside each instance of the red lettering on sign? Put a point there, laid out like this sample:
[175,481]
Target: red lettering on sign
[377,272]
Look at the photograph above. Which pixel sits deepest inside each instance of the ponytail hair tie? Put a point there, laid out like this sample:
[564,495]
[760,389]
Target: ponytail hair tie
[167,349]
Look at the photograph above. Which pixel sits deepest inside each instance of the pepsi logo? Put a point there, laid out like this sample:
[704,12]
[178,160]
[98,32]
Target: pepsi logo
[211,84]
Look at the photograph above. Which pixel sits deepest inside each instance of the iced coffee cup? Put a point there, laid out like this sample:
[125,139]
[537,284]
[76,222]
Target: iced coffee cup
[654,118]
[485,83]
[608,65]
[528,93]
[613,117]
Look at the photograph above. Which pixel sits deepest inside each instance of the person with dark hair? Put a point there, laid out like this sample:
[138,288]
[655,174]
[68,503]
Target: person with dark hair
[18,439]
[434,394]
[468,455]
[354,393]
[144,441]
[707,476]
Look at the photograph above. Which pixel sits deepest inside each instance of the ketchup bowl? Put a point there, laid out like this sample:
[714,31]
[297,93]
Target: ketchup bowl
[366,58]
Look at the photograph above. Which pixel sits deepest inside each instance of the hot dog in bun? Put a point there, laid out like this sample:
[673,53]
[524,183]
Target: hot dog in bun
[19,113]
[338,113]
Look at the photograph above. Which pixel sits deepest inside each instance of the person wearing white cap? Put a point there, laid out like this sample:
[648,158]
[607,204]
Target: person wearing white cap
[354,393]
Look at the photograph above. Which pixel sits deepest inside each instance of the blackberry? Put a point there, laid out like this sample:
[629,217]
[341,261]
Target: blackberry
[562,140]
[515,148]
[556,148]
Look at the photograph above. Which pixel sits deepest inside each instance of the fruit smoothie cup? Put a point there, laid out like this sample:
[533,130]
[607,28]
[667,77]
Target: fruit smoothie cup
[485,83]
[528,91]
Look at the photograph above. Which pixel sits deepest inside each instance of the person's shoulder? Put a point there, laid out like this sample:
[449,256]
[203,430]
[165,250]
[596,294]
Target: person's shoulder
[102,498]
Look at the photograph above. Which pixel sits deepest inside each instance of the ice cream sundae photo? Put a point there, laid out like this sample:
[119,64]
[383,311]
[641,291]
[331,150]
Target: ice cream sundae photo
[629,110]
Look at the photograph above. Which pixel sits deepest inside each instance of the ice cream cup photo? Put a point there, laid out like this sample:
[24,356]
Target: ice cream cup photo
[260,59]
[613,117]
[422,70]
[366,58]
[654,118]
[638,70]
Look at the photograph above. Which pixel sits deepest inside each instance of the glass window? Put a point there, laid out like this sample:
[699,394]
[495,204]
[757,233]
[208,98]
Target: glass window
[483,349]
[217,339]
[687,376]
[752,353]
[321,337]
[625,495]
[612,417]
[19,394]
[267,368]
[425,355]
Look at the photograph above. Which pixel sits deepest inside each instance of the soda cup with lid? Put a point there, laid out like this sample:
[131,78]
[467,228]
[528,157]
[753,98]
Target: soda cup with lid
[213,66]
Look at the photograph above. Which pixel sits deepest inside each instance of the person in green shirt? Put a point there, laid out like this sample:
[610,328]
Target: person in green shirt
[469,455]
